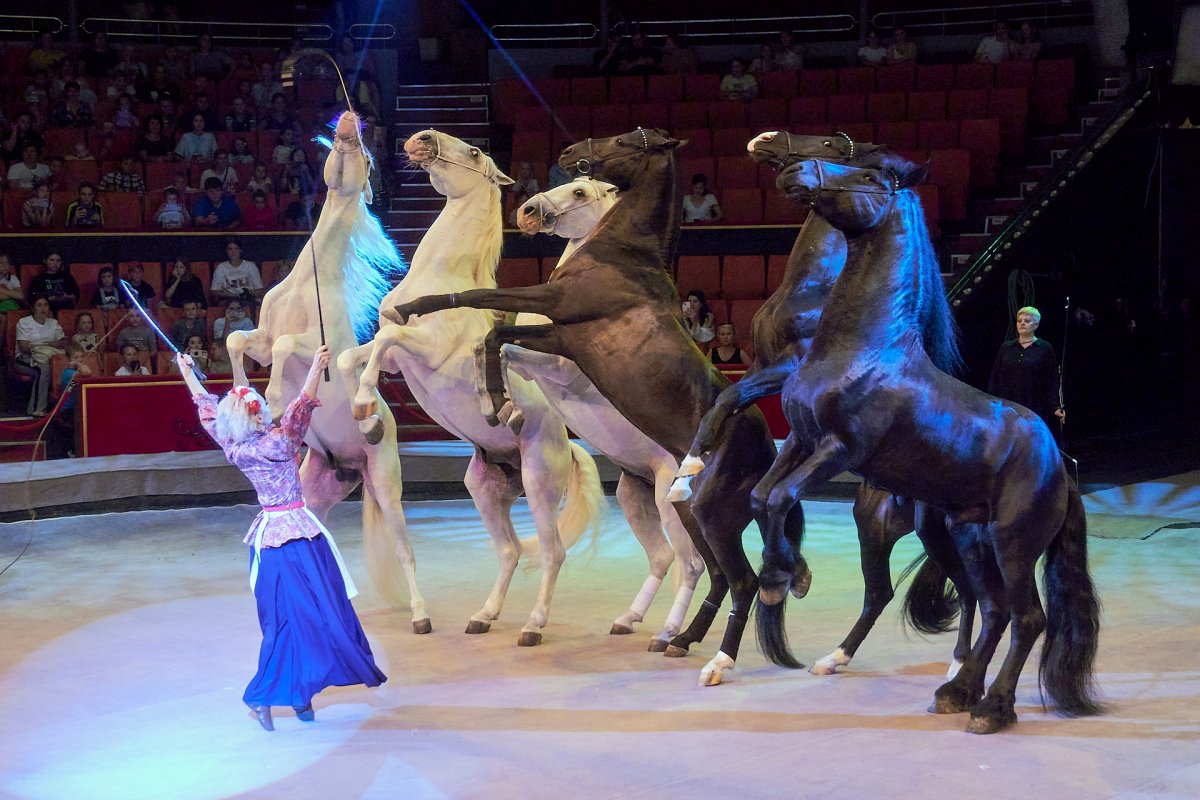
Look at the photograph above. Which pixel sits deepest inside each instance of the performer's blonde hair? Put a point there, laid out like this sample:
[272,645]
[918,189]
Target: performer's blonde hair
[235,414]
[1031,311]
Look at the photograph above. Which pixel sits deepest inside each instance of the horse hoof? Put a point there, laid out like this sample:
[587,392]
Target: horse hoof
[985,725]
[619,630]
[422,626]
[659,646]
[492,420]
[529,639]
[477,626]
[675,651]
[681,491]
[947,705]
[801,585]
[372,429]
[772,596]
[822,669]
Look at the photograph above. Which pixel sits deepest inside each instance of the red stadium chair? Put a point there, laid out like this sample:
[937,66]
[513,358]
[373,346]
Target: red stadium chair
[87,276]
[926,105]
[701,88]
[896,78]
[806,111]
[517,272]
[627,89]
[730,141]
[982,138]
[974,76]
[736,172]
[935,77]
[967,104]
[897,135]
[856,80]
[781,84]
[61,141]
[1014,74]
[886,107]
[699,272]
[611,120]
[533,147]
[577,120]
[741,314]
[532,118]
[937,134]
[950,171]
[1011,107]
[699,142]
[689,115]
[122,210]
[590,91]
[929,195]
[507,96]
[858,131]
[727,114]
[697,165]
[768,114]
[779,210]
[1053,85]
[554,91]
[76,172]
[847,108]
[741,206]
[13,200]
[776,268]
[152,273]
[818,83]
[649,115]
[664,88]
[743,277]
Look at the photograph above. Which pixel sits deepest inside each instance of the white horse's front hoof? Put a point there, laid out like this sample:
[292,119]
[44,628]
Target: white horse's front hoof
[830,663]
[955,666]
[681,490]
[371,429]
[715,669]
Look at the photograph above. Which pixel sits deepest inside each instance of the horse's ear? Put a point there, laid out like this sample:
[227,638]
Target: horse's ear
[671,144]
[915,176]
[502,179]
[862,148]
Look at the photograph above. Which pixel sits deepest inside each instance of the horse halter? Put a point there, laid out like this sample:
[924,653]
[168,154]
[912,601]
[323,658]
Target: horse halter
[437,156]
[891,189]
[593,161]
[558,211]
[793,152]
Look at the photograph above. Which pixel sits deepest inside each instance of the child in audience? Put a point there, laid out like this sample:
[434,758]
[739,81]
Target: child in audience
[241,152]
[283,150]
[261,182]
[172,214]
[192,324]
[107,295]
[57,181]
[85,336]
[259,217]
[183,286]
[81,153]
[38,209]
[124,117]
[218,359]
[130,365]
[136,335]
[145,291]
[11,293]
[235,319]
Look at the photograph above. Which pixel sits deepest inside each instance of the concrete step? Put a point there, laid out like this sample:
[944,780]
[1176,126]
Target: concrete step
[440,118]
[474,135]
[442,89]
[994,223]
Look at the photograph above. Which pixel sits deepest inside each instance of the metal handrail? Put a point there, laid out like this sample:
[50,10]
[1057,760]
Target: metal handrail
[31,25]
[551,32]
[693,29]
[983,16]
[368,31]
[118,27]
[999,252]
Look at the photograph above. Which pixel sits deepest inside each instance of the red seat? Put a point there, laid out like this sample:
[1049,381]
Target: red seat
[554,91]
[13,200]
[886,107]
[533,118]
[847,108]
[926,105]
[950,171]
[935,77]
[1011,107]
[896,78]
[699,142]
[741,314]
[780,84]
[122,210]
[697,165]
[982,138]
[590,91]
[743,277]
[577,122]
[664,88]
[742,206]
[776,268]
[727,114]
[930,195]
[818,82]
[1053,85]
[627,89]
[701,88]
[779,210]
[509,95]
[856,80]
[730,141]
[858,131]
[699,272]
[649,115]
[967,104]
[897,135]
[974,76]
[768,114]
[611,120]
[806,111]
[87,276]
[937,134]
[689,115]
[61,141]
[736,172]
[517,272]
[531,146]
[1014,74]
[76,172]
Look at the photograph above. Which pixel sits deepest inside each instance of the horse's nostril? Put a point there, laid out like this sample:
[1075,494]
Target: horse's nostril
[424,137]
[527,210]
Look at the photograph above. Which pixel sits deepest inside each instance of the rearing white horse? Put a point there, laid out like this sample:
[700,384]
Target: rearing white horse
[572,212]
[354,261]
[437,358]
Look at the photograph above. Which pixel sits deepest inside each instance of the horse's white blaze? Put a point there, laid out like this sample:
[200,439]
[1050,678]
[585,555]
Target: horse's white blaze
[762,137]
[830,663]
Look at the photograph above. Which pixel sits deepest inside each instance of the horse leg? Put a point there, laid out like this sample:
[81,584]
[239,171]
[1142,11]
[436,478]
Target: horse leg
[494,488]
[636,499]
[881,523]
[373,357]
[283,348]
[939,546]
[255,343]
[782,562]
[492,373]
[718,587]
[547,299]
[689,564]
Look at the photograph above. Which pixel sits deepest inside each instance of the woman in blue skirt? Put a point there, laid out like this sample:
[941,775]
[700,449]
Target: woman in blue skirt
[311,635]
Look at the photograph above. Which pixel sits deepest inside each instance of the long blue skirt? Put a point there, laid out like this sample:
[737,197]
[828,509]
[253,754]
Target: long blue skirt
[311,636]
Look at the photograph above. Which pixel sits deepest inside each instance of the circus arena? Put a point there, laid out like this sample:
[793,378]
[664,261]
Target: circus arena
[486,400]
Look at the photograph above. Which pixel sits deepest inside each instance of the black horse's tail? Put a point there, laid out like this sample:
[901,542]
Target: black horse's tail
[772,635]
[1072,618]
[932,602]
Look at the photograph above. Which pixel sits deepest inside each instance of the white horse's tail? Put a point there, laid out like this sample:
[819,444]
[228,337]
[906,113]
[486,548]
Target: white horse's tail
[379,550]
[584,507]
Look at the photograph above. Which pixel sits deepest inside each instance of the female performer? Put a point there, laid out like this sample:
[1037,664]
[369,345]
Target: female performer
[311,636]
[1025,371]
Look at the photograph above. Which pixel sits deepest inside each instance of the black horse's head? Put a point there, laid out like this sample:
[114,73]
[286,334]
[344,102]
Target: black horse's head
[781,149]
[852,199]
[616,159]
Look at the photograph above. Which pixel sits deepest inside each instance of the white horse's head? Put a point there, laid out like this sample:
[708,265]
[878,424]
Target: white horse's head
[570,211]
[349,166]
[455,168]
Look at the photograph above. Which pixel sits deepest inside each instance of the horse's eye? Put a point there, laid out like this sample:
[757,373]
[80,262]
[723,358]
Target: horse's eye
[579,193]
[474,153]
[827,143]
[620,143]
[872,179]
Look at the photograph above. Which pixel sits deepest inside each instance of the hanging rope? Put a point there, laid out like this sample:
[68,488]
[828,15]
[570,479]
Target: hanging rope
[1020,294]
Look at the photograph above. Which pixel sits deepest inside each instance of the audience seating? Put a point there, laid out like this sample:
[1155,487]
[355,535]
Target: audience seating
[664,88]
[699,272]
[742,277]
[742,206]
[514,272]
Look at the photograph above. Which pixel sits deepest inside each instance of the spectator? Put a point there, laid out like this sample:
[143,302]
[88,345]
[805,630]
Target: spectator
[130,363]
[192,324]
[39,338]
[152,145]
[175,64]
[216,209]
[726,350]
[995,48]
[107,295]
[278,118]
[788,54]
[81,153]
[298,176]
[57,181]
[260,216]
[302,214]
[765,62]
[183,286]
[145,292]
[558,176]
[198,143]
[29,171]
[236,278]
[1028,46]
[902,50]
[124,179]
[108,134]
[245,69]
[606,59]
[351,60]
[677,59]
[239,118]
[261,181]
[61,439]
[121,87]
[136,334]
[218,359]
[737,83]
[179,182]
[47,54]
[71,112]
[639,58]
[222,171]
[39,90]
[166,109]
[241,152]
[266,88]
[281,272]
[873,53]
[21,135]
[135,71]
[85,336]
[172,215]
[194,347]
[124,117]
[38,209]
[282,153]
[149,91]
[85,212]
[701,205]
[235,319]
[524,187]
[698,319]
[202,105]
[209,63]
[99,60]
[11,296]
[55,284]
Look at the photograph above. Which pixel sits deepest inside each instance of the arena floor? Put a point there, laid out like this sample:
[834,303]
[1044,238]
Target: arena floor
[128,638]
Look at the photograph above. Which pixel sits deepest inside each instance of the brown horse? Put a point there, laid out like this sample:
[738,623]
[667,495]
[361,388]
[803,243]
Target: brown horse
[615,313]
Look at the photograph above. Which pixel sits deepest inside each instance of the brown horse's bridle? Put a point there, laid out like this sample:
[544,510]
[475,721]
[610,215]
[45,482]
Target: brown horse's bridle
[793,153]
[593,161]
[891,189]
[559,211]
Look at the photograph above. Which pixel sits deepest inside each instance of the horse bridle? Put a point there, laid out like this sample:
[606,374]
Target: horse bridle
[593,161]
[437,156]
[806,156]
[559,211]
[889,190]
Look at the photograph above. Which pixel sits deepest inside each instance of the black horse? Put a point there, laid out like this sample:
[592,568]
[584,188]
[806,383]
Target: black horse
[783,329]
[615,313]
[874,403]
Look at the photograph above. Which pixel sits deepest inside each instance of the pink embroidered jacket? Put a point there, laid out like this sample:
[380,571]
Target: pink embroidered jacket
[269,461]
